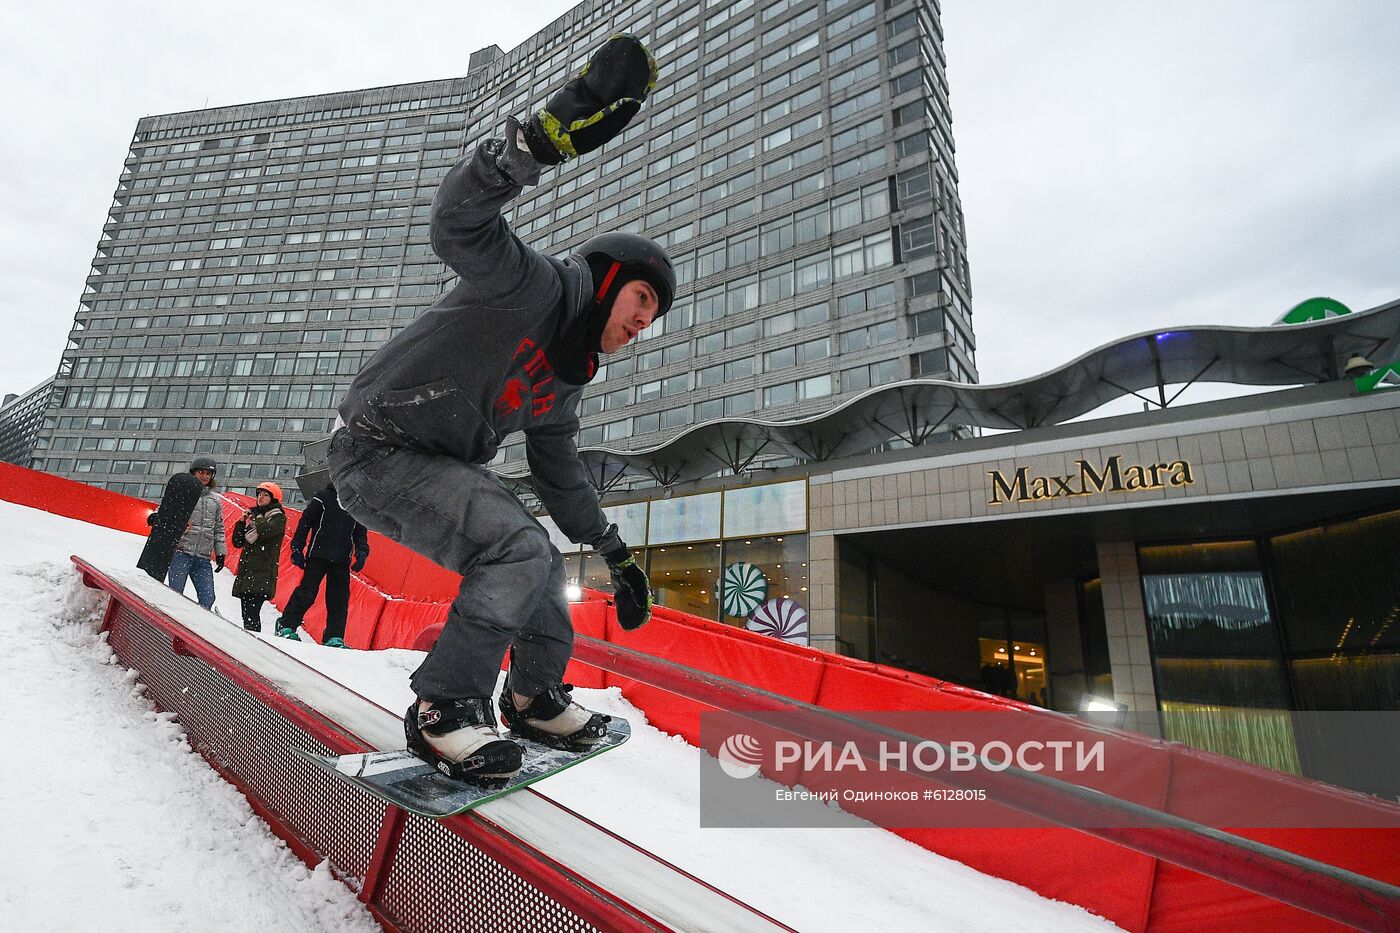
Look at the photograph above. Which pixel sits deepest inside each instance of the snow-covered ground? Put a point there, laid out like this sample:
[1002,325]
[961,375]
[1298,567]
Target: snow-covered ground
[110,820]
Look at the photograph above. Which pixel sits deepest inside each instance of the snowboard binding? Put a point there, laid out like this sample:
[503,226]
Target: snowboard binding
[459,738]
[554,719]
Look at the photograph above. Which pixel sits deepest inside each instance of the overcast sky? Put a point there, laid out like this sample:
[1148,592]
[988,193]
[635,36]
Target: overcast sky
[1124,165]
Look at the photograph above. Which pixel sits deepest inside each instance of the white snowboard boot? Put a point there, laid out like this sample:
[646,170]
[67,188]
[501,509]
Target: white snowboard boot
[554,719]
[459,738]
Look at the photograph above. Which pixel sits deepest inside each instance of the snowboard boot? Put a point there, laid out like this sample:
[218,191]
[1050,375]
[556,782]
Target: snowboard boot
[554,719]
[284,631]
[333,643]
[459,738]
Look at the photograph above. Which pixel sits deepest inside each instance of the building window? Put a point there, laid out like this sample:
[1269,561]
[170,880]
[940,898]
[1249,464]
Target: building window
[1216,652]
[686,576]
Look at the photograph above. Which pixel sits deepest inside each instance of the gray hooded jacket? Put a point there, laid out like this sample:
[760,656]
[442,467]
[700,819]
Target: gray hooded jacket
[205,534]
[485,360]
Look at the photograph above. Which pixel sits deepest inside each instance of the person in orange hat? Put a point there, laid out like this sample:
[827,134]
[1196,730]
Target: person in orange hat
[259,534]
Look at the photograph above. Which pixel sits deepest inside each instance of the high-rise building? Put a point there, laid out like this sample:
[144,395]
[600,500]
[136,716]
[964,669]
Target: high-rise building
[20,417]
[796,158]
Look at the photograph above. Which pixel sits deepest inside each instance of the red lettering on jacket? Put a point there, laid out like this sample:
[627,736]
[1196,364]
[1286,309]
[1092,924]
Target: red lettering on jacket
[540,374]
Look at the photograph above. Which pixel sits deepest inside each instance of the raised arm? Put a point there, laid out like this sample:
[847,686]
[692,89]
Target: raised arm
[470,235]
[468,232]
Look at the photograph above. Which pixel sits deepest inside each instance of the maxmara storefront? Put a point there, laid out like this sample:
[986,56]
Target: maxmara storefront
[1210,568]
[1240,558]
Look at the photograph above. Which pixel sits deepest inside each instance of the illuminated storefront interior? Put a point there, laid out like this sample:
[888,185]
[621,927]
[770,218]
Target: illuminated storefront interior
[734,555]
[1245,631]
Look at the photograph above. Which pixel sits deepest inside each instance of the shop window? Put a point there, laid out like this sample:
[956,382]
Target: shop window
[1338,598]
[1344,637]
[1012,656]
[1216,651]
[688,518]
[686,576]
[631,521]
[594,573]
[764,586]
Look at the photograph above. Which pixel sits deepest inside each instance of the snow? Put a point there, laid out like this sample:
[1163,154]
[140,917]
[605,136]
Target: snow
[130,828]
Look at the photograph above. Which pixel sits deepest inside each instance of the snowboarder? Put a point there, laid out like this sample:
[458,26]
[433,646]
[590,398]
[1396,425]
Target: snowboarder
[339,546]
[203,535]
[509,348]
[259,532]
[168,523]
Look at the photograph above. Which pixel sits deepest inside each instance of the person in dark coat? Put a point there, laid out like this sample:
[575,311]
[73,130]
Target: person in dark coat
[339,545]
[259,533]
[168,523]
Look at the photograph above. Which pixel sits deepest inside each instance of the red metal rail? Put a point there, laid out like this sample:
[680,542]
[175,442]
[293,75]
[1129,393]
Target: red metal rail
[1287,877]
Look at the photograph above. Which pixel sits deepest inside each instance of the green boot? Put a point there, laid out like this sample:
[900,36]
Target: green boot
[334,643]
[284,632]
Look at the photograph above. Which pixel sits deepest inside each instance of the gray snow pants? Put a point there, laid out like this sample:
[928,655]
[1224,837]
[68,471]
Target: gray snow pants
[462,517]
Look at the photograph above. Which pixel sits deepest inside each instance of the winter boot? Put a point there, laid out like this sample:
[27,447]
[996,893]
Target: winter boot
[459,738]
[284,631]
[554,719]
[333,643]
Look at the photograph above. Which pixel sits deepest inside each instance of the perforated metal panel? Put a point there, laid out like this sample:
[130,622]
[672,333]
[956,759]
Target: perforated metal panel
[481,895]
[232,728]
[435,880]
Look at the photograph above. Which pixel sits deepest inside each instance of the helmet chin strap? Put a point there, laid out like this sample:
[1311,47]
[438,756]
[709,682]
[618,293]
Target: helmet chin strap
[598,321]
[607,281]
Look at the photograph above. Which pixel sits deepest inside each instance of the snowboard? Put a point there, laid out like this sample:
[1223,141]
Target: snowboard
[404,780]
[171,519]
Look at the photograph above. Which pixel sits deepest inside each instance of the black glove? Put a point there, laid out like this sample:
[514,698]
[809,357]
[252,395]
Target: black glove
[631,589]
[218,562]
[298,558]
[151,520]
[597,105]
[358,563]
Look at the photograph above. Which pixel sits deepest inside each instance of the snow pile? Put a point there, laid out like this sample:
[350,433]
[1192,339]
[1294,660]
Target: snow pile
[112,818]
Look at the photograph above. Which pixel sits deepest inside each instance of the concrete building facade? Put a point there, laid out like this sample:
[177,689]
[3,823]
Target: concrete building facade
[20,418]
[796,158]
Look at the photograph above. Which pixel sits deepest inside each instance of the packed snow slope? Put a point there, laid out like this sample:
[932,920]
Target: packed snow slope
[112,821]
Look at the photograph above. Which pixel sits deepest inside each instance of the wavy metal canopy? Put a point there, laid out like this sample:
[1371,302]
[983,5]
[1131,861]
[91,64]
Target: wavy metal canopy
[912,411]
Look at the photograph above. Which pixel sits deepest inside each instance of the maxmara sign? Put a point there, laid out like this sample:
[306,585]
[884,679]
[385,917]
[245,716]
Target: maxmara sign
[1088,480]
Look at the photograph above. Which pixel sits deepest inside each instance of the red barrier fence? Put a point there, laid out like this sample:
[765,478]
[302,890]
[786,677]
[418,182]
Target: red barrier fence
[1281,876]
[1135,890]
[526,864]
[73,500]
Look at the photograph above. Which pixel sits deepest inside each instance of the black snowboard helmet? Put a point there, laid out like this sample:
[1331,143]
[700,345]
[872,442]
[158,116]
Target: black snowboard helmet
[618,258]
[204,463]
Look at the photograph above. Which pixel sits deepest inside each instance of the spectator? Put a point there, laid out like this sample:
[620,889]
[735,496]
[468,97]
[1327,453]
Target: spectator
[339,545]
[204,535]
[259,533]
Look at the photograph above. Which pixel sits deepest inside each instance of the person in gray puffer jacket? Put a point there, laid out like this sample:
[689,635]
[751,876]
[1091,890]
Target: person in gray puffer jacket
[508,349]
[204,535]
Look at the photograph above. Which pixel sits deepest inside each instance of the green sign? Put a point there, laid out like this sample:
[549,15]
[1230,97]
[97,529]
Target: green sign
[1314,309]
[1372,383]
